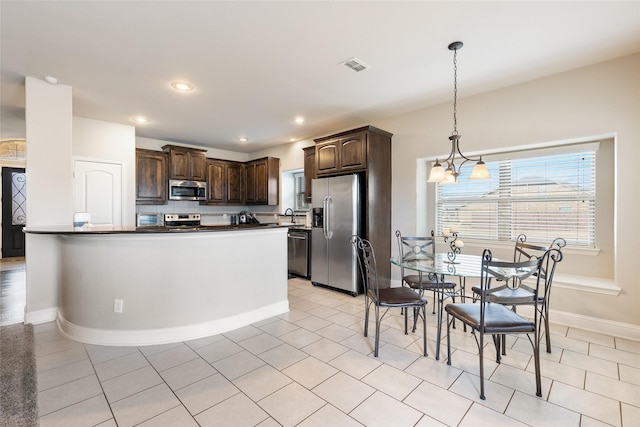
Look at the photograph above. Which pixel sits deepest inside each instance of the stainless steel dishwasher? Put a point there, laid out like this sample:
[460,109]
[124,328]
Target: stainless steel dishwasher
[298,259]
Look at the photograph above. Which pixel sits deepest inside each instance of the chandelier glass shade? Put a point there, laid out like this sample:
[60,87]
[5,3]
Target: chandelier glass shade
[449,175]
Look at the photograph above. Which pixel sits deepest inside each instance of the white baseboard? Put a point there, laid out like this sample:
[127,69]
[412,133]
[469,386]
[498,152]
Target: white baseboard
[41,316]
[168,335]
[602,326]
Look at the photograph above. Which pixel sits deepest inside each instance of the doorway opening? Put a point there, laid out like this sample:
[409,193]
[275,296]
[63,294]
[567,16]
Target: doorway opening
[14,214]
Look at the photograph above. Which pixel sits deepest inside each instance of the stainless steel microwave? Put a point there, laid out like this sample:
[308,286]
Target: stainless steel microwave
[187,190]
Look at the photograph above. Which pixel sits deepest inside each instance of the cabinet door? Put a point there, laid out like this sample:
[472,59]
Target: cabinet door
[216,179]
[151,177]
[353,152]
[235,187]
[250,182]
[197,166]
[179,165]
[327,157]
[309,170]
[262,182]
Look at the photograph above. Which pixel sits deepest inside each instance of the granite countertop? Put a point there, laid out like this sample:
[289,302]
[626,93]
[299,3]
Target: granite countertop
[146,230]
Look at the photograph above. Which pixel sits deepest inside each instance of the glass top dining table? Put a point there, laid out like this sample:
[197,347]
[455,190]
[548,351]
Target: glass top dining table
[462,266]
[439,266]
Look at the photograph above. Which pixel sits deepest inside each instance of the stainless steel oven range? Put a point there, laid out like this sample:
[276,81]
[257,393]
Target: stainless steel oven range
[182,220]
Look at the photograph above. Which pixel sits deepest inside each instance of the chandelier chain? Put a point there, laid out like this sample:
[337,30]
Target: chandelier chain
[455,91]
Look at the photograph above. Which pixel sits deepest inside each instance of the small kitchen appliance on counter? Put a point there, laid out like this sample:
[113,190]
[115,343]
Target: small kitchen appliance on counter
[153,219]
[246,217]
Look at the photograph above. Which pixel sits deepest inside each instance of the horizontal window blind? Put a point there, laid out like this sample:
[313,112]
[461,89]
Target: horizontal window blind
[543,196]
[300,202]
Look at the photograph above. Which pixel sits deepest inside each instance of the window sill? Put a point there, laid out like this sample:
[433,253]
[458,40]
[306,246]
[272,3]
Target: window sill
[596,285]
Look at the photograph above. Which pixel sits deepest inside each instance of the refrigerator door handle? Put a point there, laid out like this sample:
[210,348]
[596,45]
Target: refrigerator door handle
[325,214]
[329,218]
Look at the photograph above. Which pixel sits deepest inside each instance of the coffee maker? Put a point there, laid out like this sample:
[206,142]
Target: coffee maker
[246,217]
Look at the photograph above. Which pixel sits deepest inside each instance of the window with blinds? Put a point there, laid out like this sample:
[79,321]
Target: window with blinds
[539,193]
[300,203]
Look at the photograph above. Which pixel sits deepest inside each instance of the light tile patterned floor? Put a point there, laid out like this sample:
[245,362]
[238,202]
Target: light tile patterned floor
[313,367]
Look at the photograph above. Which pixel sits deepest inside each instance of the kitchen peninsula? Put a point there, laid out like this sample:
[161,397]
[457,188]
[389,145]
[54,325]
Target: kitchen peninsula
[125,286]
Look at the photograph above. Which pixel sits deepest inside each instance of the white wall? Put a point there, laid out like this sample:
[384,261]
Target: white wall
[95,140]
[291,155]
[49,136]
[49,189]
[157,144]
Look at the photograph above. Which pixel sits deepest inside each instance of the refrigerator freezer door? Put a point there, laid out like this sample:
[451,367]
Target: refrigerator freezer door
[343,223]
[319,244]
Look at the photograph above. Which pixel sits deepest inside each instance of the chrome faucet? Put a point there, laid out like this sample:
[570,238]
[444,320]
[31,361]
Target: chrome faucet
[293,219]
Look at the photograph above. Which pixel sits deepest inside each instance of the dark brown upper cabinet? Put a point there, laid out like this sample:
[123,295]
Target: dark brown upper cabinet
[341,154]
[262,180]
[225,181]
[151,177]
[186,163]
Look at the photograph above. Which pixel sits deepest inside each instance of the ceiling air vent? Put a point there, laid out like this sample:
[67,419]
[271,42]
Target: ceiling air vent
[355,64]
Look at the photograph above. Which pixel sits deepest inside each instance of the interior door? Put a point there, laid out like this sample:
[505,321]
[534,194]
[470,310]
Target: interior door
[98,190]
[14,214]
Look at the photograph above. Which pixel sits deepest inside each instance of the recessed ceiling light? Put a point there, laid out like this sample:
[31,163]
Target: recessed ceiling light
[182,86]
[299,120]
[51,79]
[292,140]
[243,139]
[141,120]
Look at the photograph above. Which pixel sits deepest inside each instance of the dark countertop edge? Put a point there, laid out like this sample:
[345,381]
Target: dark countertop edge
[143,230]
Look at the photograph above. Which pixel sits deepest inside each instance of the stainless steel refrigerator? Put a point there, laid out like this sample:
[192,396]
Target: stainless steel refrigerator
[336,207]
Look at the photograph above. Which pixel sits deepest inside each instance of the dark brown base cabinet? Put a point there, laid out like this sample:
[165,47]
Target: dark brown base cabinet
[151,177]
[366,151]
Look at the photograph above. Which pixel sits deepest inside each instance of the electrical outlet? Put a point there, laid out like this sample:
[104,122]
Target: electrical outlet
[118,305]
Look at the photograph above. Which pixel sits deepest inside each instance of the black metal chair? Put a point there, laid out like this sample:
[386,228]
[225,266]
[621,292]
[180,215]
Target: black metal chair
[424,247]
[525,295]
[490,317]
[385,297]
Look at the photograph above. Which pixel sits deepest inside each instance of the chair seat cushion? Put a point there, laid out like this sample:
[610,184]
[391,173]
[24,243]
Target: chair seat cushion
[413,280]
[497,318]
[389,297]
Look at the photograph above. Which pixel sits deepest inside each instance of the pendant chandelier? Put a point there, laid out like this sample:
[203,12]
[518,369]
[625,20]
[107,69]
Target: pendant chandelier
[451,173]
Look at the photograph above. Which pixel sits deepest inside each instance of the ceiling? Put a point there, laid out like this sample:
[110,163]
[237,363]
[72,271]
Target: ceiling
[255,66]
